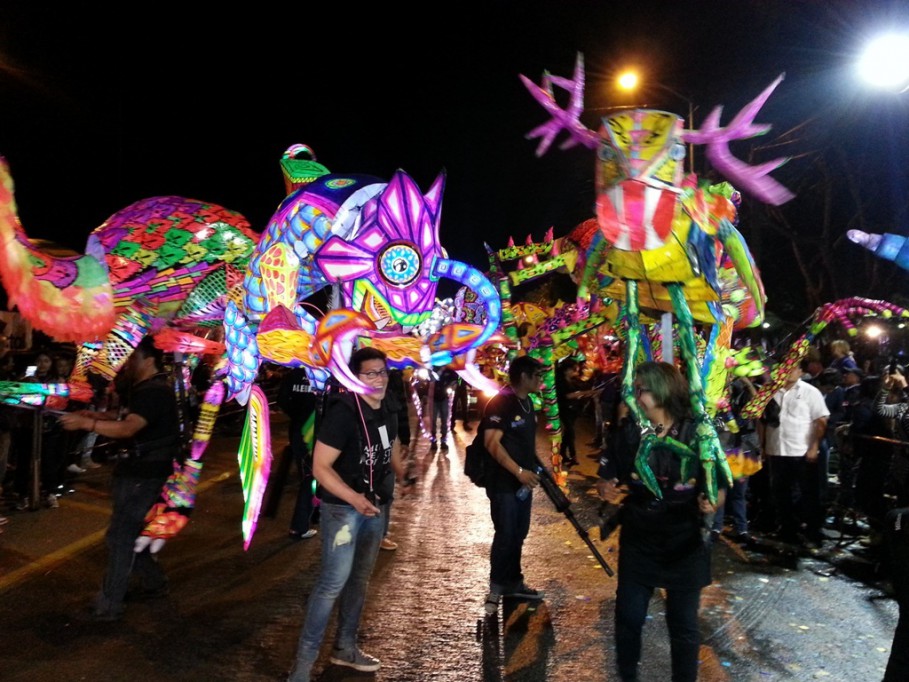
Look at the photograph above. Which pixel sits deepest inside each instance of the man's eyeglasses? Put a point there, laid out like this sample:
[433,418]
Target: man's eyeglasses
[374,374]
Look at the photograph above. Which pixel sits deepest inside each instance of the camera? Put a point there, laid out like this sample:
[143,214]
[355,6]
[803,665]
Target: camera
[609,519]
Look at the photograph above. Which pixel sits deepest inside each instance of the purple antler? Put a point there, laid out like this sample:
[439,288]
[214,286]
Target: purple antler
[567,119]
[752,179]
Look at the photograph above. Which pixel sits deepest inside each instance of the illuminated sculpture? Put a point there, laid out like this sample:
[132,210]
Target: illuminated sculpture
[160,260]
[658,227]
[377,246]
[164,264]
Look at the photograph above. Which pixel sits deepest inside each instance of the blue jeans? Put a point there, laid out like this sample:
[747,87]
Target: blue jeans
[132,498]
[350,543]
[511,519]
[631,601]
[440,412]
[735,507]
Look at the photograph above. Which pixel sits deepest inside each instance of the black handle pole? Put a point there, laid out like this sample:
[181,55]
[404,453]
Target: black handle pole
[563,504]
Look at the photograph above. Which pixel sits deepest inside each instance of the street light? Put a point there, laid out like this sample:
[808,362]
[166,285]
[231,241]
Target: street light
[629,80]
[885,62]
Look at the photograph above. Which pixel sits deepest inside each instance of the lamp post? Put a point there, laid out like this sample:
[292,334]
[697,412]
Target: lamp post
[629,80]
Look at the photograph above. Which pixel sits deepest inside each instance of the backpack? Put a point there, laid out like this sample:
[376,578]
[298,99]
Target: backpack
[478,462]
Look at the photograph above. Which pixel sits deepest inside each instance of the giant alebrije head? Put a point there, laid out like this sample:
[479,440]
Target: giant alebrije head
[387,269]
[639,169]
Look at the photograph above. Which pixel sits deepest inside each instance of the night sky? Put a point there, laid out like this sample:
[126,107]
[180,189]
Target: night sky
[102,109]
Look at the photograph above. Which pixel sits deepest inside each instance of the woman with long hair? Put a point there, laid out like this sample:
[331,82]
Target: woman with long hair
[664,542]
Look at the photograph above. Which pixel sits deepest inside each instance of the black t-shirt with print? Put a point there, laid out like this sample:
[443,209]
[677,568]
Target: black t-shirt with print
[365,455]
[516,419]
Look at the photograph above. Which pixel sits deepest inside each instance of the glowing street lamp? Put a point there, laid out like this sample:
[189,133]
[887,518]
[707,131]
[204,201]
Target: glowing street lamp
[629,80]
[885,62]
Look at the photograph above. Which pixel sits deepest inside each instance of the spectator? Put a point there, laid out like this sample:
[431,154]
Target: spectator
[299,400]
[441,396]
[842,356]
[52,443]
[792,443]
[568,395]
[744,456]
[866,461]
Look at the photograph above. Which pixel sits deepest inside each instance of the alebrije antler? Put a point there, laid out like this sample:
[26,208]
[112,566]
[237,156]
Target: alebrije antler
[752,179]
[567,119]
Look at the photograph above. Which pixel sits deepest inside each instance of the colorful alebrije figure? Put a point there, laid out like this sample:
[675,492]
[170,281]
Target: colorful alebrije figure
[160,260]
[665,230]
[377,245]
[165,265]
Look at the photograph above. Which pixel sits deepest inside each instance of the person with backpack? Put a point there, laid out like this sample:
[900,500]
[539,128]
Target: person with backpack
[509,435]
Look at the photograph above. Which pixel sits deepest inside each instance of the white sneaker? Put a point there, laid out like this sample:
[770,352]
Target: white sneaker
[75,469]
[52,502]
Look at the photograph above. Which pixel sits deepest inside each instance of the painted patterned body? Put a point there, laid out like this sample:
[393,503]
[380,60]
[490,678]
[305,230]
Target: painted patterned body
[377,244]
[663,241]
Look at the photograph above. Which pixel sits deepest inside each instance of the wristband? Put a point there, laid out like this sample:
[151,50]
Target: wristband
[520,471]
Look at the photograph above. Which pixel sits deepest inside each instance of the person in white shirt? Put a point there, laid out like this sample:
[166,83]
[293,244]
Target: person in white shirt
[791,433]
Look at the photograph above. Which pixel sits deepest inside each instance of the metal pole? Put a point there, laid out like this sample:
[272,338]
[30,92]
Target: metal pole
[690,127]
[37,429]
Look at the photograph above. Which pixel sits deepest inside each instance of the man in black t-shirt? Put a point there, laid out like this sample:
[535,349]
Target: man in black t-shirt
[356,466]
[153,427]
[509,434]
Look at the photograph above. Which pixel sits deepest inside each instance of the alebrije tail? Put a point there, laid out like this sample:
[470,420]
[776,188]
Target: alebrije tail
[255,458]
[68,298]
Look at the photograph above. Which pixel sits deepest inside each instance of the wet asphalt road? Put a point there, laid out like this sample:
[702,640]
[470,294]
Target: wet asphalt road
[235,615]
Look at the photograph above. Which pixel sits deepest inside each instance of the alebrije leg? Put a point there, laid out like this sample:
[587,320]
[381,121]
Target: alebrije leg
[632,343]
[710,451]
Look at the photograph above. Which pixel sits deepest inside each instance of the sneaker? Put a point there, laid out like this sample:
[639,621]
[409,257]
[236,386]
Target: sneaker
[3,520]
[743,538]
[492,603]
[75,469]
[356,659]
[388,545]
[22,504]
[524,592]
[52,502]
[294,535]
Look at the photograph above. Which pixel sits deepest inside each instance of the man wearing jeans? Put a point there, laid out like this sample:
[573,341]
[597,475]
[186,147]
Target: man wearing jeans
[356,466]
[509,434]
[153,426]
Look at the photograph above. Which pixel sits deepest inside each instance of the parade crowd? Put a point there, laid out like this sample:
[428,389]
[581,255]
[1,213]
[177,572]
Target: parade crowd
[830,448]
